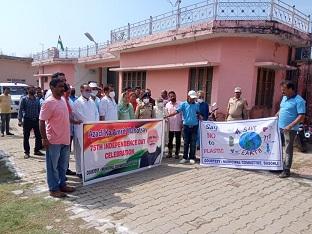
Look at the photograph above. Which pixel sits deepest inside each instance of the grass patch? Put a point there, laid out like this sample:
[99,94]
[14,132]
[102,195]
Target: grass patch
[34,213]
[22,215]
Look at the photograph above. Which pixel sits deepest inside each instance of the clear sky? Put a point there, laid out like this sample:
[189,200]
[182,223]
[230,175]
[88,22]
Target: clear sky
[27,26]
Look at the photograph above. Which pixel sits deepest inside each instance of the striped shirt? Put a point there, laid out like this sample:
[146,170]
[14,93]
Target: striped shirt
[29,108]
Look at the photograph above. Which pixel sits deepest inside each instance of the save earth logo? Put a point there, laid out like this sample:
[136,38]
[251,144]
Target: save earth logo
[250,141]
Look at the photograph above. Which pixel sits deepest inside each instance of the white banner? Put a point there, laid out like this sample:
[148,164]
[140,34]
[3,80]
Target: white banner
[248,144]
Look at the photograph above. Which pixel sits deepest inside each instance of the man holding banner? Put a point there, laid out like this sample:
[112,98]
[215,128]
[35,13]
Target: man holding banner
[291,113]
[191,114]
[84,110]
[55,132]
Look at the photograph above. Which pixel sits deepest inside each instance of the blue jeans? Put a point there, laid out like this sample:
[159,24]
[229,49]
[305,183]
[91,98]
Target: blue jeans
[190,134]
[57,158]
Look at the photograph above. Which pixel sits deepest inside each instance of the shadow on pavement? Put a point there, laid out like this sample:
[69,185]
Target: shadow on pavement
[105,194]
[301,176]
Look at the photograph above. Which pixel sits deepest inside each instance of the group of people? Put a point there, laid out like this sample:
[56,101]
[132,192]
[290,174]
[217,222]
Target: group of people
[56,116]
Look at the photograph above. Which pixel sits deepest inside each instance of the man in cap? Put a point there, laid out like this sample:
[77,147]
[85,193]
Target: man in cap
[237,107]
[94,92]
[191,114]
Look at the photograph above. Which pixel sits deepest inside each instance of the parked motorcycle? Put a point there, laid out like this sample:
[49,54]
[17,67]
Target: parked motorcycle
[304,135]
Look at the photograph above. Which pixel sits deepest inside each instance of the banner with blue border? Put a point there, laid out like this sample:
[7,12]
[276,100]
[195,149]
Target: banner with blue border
[246,144]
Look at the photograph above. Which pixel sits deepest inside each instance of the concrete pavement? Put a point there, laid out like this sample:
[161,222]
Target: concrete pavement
[175,198]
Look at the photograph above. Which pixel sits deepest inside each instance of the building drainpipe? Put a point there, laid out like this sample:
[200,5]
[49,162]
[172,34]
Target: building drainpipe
[272,7]
[178,15]
[100,76]
[128,32]
[215,9]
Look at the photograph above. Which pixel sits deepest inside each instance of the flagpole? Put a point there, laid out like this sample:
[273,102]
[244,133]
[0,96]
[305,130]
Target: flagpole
[57,42]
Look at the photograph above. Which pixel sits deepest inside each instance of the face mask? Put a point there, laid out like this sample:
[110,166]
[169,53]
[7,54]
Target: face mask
[200,100]
[86,94]
[112,94]
[146,100]
[94,93]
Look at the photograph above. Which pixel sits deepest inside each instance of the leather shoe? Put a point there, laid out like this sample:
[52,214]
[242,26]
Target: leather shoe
[39,153]
[67,189]
[10,134]
[70,172]
[57,194]
[284,174]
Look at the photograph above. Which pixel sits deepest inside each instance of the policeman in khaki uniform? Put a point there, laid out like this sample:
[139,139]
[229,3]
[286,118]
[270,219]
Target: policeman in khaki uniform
[237,107]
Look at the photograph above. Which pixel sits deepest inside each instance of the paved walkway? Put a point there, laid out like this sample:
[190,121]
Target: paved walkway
[175,198]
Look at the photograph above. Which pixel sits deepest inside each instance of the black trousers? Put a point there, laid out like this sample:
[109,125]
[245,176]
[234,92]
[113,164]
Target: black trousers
[177,136]
[30,124]
[190,134]
[5,123]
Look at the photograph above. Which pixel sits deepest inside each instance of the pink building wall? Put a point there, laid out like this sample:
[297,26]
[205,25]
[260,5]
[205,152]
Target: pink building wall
[67,69]
[236,69]
[17,70]
[207,50]
[236,57]
[233,59]
[159,80]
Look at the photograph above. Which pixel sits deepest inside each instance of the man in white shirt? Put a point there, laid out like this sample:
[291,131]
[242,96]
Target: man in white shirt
[175,125]
[94,92]
[84,110]
[108,107]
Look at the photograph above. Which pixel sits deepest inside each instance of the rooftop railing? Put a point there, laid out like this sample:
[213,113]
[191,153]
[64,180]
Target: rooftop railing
[215,10]
[71,53]
[191,15]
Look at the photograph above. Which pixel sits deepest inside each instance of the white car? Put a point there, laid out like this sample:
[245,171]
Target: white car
[17,90]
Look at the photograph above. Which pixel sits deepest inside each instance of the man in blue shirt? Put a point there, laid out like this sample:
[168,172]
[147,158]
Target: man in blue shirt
[190,113]
[29,112]
[291,113]
[203,109]
[73,96]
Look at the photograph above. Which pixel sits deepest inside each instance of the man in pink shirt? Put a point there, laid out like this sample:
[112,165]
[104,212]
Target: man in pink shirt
[55,132]
[175,124]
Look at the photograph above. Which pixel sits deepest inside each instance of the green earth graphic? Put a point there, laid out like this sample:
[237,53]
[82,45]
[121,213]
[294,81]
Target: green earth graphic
[250,141]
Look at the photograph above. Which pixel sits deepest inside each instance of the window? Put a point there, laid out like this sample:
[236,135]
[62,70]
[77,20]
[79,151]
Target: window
[265,87]
[293,76]
[201,79]
[134,79]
